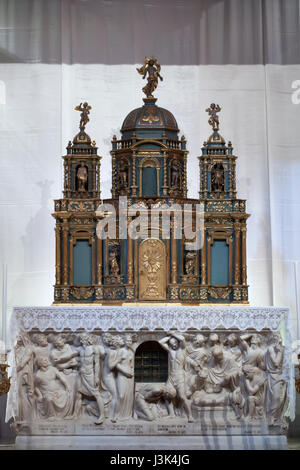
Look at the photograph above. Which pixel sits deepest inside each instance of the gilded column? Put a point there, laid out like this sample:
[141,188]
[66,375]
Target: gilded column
[184,175]
[244,261]
[203,261]
[129,259]
[65,273]
[99,261]
[237,231]
[113,163]
[173,254]
[165,187]
[58,254]
[134,186]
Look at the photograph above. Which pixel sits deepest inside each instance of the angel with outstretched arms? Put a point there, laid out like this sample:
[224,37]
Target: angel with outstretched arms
[152,68]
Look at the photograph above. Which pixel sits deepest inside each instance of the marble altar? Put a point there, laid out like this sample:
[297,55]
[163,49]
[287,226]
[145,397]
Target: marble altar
[217,377]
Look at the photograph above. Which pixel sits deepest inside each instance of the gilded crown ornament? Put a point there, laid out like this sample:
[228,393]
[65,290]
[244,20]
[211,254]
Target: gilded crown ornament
[214,118]
[152,68]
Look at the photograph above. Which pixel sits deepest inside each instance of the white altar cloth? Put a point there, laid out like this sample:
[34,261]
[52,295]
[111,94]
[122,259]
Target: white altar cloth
[90,318]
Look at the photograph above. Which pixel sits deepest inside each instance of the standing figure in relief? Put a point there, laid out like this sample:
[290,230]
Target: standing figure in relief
[109,373]
[90,375]
[232,347]
[123,367]
[197,357]
[175,345]
[63,356]
[256,389]
[53,394]
[277,387]
[24,362]
[254,354]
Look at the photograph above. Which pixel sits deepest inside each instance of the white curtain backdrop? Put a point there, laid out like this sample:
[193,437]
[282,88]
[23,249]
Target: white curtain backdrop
[57,54]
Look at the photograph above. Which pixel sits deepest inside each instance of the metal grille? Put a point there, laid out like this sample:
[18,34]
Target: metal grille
[151,363]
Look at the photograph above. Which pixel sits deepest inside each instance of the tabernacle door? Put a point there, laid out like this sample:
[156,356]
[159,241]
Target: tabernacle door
[152,270]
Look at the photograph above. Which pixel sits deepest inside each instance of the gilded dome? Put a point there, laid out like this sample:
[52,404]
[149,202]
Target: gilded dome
[150,120]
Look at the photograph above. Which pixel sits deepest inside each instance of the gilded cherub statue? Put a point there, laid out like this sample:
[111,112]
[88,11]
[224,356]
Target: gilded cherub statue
[214,119]
[152,68]
[85,111]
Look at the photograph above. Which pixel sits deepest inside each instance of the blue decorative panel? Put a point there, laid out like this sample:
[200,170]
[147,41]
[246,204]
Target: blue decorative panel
[219,263]
[149,178]
[82,259]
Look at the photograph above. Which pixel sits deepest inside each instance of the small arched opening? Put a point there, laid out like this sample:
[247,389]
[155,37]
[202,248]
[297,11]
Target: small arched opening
[151,363]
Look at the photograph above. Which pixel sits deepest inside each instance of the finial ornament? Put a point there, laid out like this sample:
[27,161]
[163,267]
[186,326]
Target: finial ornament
[214,119]
[152,68]
[85,111]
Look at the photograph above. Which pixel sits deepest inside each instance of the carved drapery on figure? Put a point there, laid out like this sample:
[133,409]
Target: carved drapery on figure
[90,377]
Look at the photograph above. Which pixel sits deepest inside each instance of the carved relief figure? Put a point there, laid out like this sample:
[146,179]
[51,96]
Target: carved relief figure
[217,178]
[63,355]
[175,345]
[147,398]
[42,348]
[109,375]
[90,376]
[277,387]
[24,355]
[256,389]
[253,353]
[196,359]
[51,390]
[123,367]
[219,385]
[232,347]
[82,177]
[151,68]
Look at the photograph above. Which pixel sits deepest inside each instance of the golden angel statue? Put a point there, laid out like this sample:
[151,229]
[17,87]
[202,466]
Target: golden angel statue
[214,119]
[152,68]
[85,111]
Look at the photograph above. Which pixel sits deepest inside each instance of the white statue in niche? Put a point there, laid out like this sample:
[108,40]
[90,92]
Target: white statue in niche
[232,346]
[255,384]
[63,355]
[253,352]
[51,389]
[89,379]
[24,362]
[175,345]
[277,387]
[148,397]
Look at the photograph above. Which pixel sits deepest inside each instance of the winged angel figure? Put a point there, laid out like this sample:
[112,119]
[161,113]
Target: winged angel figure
[152,68]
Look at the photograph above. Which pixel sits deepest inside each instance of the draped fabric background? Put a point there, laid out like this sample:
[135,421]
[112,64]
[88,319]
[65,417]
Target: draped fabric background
[242,54]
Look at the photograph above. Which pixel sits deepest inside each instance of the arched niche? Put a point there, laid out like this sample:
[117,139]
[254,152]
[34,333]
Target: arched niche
[149,177]
[150,363]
